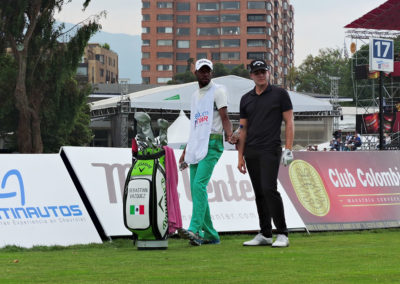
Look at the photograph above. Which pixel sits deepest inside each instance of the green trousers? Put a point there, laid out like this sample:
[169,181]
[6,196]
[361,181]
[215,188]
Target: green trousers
[200,175]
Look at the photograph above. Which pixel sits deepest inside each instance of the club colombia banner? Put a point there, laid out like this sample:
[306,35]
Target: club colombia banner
[345,190]
[39,204]
[102,172]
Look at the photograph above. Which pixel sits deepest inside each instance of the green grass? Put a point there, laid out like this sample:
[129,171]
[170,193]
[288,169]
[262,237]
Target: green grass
[335,257]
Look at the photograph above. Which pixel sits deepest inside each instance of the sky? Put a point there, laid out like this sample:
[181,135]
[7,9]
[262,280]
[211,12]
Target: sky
[318,23]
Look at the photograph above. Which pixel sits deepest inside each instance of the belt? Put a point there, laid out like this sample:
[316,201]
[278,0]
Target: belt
[215,136]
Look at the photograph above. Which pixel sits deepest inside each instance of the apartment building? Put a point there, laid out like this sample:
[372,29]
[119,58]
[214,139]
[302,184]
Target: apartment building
[229,32]
[100,65]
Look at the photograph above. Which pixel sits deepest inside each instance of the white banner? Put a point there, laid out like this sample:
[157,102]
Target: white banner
[102,172]
[39,204]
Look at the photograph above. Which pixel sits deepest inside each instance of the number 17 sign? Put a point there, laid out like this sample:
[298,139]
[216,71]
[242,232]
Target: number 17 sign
[381,55]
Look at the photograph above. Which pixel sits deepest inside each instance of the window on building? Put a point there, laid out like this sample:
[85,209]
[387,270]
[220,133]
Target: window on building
[268,56]
[230,43]
[256,30]
[145,55]
[276,16]
[268,31]
[230,18]
[164,67]
[146,42]
[201,55]
[165,17]
[276,4]
[162,80]
[146,17]
[183,6]
[164,30]
[145,30]
[164,5]
[180,68]
[208,19]
[256,55]
[269,19]
[146,67]
[182,55]
[255,5]
[83,71]
[255,42]
[100,57]
[269,44]
[230,5]
[182,31]
[164,54]
[276,51]
[145,5]
[164,42]
[182,43]
[145,80]
[230,55]
[230,30]
[208,31]
[207,6]
[182,19]
[207,43]
[215,56]
[269,6]
[256,17]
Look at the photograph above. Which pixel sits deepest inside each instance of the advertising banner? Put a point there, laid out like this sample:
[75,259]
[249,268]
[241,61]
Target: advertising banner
[39,204]
[102,172]
[345,190]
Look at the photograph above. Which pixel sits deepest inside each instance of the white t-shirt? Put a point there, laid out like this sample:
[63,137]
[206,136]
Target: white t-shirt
[220,101]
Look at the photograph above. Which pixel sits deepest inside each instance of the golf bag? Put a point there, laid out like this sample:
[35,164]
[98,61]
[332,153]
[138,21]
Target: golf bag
[144,199]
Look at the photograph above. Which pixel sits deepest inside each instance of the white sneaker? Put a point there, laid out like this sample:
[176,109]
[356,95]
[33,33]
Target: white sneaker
[281,241]
[259,240]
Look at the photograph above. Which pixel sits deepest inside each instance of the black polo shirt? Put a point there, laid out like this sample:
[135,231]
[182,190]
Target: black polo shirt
[264,117]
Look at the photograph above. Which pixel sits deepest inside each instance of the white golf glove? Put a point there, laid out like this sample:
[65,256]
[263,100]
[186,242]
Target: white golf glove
[287,157]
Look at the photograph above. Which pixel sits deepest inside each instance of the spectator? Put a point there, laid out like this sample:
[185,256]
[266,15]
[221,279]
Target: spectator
[355,142]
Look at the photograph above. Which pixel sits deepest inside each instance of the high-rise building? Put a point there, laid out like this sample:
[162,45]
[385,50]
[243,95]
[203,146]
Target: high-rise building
[176,32]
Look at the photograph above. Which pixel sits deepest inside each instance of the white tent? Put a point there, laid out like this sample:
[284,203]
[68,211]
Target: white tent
[178,132]
[178,97]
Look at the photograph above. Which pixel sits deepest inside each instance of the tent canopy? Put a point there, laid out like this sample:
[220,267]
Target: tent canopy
[385,17]
[178,97]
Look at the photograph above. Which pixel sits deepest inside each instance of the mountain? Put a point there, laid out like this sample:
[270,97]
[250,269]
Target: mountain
[128,48]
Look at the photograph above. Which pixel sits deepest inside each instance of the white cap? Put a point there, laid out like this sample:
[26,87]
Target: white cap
[203,62]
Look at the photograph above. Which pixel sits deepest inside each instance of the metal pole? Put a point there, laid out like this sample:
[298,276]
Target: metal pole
[380,110]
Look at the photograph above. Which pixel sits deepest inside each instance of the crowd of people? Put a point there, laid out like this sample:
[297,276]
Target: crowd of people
[350,143]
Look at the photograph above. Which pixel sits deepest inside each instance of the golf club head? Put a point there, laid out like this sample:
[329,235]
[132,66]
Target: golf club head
[144,124]
[163,125]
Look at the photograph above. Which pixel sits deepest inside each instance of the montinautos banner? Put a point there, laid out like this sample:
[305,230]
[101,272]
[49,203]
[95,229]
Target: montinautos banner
[345,190]
[39,204]
[102,172]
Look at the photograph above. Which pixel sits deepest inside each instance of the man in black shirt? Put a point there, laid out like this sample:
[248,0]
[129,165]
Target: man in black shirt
[262,111]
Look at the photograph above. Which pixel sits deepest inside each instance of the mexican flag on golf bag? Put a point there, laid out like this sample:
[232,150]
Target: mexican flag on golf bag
[145,198]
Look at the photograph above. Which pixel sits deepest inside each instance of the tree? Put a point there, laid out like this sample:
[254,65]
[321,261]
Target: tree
[313,74]
[29,28]
[240,71]
[219,70]
[106,46]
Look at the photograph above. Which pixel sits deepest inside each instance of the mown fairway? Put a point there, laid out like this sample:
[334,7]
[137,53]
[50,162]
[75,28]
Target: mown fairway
[345,257]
